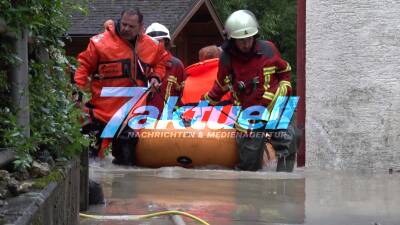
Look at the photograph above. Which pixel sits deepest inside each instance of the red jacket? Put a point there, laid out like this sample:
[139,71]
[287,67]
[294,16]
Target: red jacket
[172,84]
[253,79]
[110,61]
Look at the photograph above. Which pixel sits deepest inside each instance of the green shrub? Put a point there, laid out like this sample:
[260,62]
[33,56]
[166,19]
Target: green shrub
[54,121]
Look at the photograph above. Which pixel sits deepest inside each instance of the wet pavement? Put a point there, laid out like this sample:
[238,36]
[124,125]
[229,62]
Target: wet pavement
[223,197]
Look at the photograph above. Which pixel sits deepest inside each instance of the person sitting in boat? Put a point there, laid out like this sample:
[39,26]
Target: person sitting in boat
[209,52]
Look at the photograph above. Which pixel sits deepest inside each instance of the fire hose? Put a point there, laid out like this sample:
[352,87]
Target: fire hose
[142,217]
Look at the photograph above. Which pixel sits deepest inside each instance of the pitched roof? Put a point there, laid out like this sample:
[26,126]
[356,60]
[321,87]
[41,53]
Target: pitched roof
[169,13]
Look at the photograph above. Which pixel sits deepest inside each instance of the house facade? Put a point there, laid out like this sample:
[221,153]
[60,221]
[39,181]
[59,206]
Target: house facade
[352,84]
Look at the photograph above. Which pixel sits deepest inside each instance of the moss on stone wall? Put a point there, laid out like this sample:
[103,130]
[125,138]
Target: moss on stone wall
[54,176]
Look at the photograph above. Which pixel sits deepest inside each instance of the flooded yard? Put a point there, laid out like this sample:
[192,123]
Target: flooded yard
[223,197]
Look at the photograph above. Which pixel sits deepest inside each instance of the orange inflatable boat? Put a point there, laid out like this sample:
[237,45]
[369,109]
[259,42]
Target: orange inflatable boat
[186,147]
[200,79]
[190,147]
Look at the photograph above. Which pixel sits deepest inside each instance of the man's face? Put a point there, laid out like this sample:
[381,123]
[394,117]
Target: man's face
[245,44]
[129,26]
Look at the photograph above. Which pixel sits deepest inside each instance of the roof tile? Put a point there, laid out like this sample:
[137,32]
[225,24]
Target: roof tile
[168,13]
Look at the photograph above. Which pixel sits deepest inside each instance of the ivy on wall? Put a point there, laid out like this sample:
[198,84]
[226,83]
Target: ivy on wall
[54,121]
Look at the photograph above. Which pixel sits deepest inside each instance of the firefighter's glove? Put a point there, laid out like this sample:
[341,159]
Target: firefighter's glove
[154,84]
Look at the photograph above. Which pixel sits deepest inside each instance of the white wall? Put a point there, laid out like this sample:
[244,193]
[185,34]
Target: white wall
[353,84]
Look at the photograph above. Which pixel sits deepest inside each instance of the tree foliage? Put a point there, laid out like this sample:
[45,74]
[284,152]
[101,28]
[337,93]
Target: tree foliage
[54,120]
[277,20]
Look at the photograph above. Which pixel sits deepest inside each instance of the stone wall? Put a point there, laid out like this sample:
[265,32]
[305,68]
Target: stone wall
[57,204]
[353,84]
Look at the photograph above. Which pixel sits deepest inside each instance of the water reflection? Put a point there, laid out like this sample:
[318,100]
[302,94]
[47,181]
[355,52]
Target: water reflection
[218,201]
[224,197]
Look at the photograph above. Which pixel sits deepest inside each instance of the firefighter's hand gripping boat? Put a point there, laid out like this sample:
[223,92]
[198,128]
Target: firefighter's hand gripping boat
[191,146]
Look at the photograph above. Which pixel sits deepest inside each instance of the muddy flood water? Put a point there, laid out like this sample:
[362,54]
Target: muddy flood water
[223,197]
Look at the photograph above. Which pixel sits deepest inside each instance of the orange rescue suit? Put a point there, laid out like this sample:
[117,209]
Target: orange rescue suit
[110,61]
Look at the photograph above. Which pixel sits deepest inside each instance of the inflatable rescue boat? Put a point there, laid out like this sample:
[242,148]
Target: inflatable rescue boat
[190,147]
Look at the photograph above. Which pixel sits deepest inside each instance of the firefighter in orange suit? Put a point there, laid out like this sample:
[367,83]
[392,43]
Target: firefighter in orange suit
[122,56]
[174,80]
[255,74]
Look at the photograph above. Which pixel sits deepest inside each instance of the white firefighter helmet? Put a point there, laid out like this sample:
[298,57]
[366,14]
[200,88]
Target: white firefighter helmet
[158,31]
[241,24]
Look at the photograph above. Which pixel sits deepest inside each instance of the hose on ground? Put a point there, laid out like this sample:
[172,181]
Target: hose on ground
[145,216]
